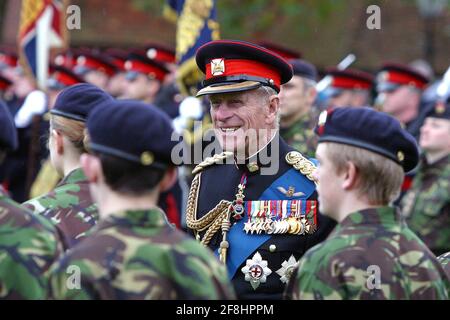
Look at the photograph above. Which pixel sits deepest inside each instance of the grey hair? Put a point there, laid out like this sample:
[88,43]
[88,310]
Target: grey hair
[266,92]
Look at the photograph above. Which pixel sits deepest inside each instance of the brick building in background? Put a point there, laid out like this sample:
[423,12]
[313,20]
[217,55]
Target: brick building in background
[401,38]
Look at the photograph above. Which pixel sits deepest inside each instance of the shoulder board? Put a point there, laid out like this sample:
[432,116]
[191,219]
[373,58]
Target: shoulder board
[302,164]
[211,160]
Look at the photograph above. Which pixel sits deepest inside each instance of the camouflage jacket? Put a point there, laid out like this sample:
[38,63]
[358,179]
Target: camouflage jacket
[138,255]
[28,246]
[69,206]
[300,135]
[370,255]
[426,206]
[444,259]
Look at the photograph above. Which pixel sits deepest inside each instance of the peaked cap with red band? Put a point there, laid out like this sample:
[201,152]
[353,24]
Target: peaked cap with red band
[95,62]
[61,77]
[350,79]
[138,63]
[160,53]
[8,58]
[393,75]
[4,83]
[232,66]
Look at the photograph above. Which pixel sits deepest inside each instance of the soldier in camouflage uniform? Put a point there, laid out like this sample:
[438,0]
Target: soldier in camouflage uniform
[28,244]
[133,252]
[426,206]
[370,254]
[298,116]
[69,206]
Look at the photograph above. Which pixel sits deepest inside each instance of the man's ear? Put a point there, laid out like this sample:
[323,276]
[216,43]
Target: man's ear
[349,176]
[311,95]
[169,179]
[92,167]
[59,141]
[273,107]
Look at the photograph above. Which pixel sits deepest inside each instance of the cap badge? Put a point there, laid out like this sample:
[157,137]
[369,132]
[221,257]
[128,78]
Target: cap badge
[217,67]
[147,158]
[323,118]
[440,109]
[383,76]
[400,156]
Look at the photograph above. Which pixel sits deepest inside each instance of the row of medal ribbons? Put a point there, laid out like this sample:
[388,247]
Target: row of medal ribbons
[297,217]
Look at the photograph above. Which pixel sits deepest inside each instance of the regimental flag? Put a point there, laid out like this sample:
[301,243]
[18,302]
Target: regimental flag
[42,27]
[196,25]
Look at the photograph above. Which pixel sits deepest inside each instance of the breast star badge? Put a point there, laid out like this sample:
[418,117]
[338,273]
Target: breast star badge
[287,269]
[256,270]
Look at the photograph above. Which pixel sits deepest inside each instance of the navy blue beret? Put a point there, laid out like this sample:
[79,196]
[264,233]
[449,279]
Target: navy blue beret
[75,102]
[440,110]
[303,68]
[8,132]
[133,131]
[371,130]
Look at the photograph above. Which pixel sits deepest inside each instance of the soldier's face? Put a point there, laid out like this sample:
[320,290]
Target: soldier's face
[399,100]
[140,88]
[329,186]
[243,119]
[435,135]
[295,98]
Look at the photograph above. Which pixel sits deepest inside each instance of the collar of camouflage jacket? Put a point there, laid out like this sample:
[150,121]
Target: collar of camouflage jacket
[74,176]
[383,216]
[151,218]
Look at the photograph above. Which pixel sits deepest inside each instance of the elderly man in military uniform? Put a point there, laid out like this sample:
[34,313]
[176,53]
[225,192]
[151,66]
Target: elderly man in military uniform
[371,254]
[298,115]
[255,203]
[426,206]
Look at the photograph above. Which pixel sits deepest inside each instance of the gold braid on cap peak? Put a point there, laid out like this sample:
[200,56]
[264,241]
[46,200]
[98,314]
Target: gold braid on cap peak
[302,164]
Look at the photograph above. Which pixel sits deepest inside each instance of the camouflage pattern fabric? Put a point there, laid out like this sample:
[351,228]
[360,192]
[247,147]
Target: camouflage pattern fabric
[444,259]
[300,135]
[342,266]
[138,255]
[426,206]
[69,206]
[28,246]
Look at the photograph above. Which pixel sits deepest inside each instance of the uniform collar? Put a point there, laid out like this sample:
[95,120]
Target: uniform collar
[373,216]
[74,176]
[255,162]
[150,218]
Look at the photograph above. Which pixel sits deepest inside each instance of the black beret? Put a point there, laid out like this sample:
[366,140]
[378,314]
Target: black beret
[232,66]
[75,102]
[8,132]
[371,130]
[133,131]
[303,68]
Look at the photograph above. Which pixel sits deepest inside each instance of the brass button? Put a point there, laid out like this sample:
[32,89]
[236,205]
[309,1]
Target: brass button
[272,248]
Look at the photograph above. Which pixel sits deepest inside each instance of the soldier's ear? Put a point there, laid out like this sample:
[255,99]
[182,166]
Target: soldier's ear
[349,176]
[59,141]
[91,167]
[169,179]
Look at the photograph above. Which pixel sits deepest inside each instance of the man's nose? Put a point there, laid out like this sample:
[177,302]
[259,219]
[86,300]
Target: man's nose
[222,113]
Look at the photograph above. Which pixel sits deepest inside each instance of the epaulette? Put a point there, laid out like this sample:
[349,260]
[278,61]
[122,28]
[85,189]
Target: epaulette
[211,160]
[302,164]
